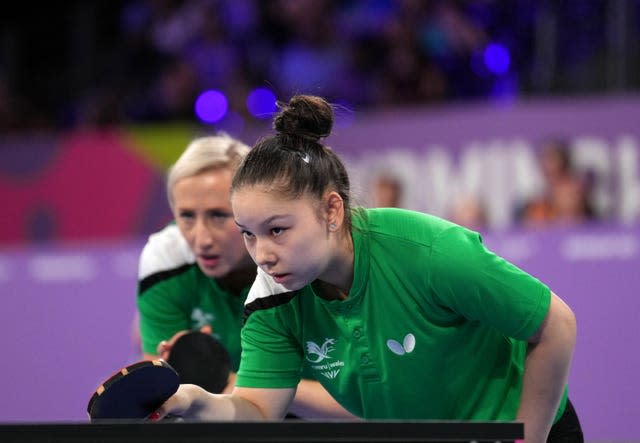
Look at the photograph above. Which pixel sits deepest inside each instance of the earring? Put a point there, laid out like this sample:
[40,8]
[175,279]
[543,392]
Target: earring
[332,226]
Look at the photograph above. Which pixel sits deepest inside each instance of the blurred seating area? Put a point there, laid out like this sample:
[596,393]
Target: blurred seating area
[74,63]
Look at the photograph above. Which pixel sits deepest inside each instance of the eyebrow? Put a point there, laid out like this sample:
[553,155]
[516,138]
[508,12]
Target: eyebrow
[210,208]
[266,221]
[215,211]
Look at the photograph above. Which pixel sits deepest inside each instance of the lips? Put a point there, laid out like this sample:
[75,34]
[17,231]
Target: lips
[280,278]
[209,261]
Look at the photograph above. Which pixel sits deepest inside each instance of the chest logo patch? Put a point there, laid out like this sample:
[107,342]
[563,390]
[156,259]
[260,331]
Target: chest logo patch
[201,318]
[316,354]
[406,347]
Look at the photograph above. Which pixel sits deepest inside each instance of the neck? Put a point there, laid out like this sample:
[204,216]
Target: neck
[335,282]
[237,280]
[329,292]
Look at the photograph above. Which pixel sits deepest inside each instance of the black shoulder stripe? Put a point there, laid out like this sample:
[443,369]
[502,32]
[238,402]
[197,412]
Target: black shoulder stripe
[151,280]
[270,301]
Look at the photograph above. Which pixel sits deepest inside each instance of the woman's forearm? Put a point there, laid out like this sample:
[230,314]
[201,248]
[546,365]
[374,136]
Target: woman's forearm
[194,403]
[546,371]
[313,401]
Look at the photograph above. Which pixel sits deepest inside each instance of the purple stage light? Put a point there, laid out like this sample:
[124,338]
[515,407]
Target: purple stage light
[211,106]
[497,58]
[261,103]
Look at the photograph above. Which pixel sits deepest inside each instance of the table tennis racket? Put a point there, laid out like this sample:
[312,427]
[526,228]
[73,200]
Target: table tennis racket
[134,392]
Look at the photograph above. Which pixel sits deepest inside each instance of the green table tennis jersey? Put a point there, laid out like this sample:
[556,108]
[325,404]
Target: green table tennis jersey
[174,295]
[433,327]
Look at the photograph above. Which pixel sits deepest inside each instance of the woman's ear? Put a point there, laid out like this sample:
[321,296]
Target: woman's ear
[334,210]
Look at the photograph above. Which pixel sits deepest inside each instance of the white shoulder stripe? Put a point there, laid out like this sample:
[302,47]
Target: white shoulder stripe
[264,286]
[165,250]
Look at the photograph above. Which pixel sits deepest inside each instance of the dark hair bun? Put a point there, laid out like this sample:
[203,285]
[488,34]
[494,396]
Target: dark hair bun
[305,116]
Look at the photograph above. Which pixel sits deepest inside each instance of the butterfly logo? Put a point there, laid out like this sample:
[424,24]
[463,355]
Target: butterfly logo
[407,346]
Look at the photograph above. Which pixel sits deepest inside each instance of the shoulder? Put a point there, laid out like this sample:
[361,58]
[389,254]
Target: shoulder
[266,293]
[400,224]
[165,250]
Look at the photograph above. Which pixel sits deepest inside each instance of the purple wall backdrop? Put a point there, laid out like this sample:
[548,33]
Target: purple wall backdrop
[67,323]
[443,153]
[456,125]
[596,271]
[67,316]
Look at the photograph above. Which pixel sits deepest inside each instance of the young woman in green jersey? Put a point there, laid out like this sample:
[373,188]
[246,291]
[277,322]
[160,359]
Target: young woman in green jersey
[399,314]
[196,273]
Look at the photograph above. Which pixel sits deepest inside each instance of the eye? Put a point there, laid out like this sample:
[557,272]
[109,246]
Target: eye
[186,215]
[276,232]
[218,215]
[246,234]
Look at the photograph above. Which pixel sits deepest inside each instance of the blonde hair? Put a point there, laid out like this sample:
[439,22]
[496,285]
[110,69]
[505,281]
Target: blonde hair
[203,154]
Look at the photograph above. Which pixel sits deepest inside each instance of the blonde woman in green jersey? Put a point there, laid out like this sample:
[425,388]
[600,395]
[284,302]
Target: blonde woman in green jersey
[399,314]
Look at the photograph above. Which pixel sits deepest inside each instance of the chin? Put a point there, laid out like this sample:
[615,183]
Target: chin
[294,285]
[217,272]
[290,287]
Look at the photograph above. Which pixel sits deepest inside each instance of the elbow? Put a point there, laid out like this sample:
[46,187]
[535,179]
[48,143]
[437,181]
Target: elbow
[562,322]
[569,324]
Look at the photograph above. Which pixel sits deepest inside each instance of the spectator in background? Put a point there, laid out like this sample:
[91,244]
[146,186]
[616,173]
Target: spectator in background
[565,198]
[469,211]
[195,273]
[313,56]
[387,192]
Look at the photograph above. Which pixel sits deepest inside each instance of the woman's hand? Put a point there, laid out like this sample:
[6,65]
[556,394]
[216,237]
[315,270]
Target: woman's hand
[189,402]
[164,347]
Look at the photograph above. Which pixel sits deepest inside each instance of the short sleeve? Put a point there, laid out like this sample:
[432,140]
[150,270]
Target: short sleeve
[271,357]
[474,282]
[160,292]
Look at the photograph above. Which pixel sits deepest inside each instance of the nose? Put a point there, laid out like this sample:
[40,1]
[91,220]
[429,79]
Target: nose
[203,238]
[263,253]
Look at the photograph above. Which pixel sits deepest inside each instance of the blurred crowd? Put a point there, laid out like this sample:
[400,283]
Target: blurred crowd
[565,197]
[101,62]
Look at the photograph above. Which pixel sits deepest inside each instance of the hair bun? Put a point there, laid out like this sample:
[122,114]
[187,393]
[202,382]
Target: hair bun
[305,116]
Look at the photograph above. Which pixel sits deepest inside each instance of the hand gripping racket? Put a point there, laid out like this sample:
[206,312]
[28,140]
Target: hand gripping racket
[134,392]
